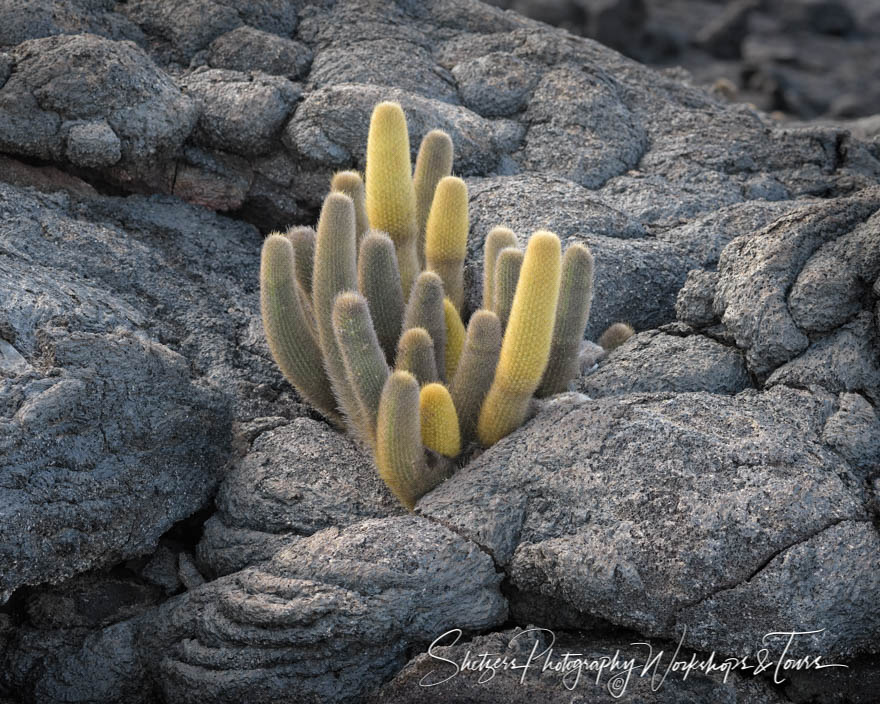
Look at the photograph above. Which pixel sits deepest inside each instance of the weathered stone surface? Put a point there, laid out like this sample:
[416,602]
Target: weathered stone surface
[817,585]
[636,508]
[495,85]
[79,643]
[129,370]
[626,286]
[666,361]
[431,678]
[757,272]
[854,431]
[248,49]
[85,77]
[240,113]
[296,479]
[327,618]
[694,304]
[93,144]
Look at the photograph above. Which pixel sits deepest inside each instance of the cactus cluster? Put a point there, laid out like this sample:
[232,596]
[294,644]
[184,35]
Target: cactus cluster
[365,315]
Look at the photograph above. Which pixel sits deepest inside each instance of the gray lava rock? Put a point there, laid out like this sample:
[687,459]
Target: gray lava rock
[84,77]
[757,272]
[440,677]
[248,49]
[657,361]
[637,508]
[93,144]
[495,85]
[817,585]
[581,128]
[326,619]
[241,113]
[694,304]
[636,277]
[296,479]
[186,26]
[79,643]
[118,421]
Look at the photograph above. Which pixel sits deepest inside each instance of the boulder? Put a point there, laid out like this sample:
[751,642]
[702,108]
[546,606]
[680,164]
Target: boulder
[325,619]
[645,509]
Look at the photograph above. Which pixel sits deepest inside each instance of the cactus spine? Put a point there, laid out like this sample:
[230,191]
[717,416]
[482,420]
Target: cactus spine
[425,310]
[288,330]
[572,313]
[498,238]
[379,282]
[351,184]
[415,354]
[432,164]
[454,337]
[390,195]
[476,369]
[446,236]
[526,345]
[439,421]
[365,365]
[507,268]
[335,272]
[400,456]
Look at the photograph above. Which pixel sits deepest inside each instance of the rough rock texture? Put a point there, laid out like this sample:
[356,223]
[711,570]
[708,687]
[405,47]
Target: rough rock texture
[666,361]
[327,618]
[296,479]
[135,379]
[124,367]
[441,677]
[57,82]
[643,509]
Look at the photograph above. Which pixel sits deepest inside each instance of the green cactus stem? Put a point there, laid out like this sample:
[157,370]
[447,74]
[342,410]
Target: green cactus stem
[289,333]
[365,363]
[335,271]
[476,369]
[615,336]
[415,354]
[425,310]
[400,456]
[433,162]
[498,238]
[440,431]
[351,184]
[572,313]
[303,241]
[379,282]
[507,268]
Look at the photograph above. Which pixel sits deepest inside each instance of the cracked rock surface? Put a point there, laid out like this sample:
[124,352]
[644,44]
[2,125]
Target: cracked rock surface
[176,526]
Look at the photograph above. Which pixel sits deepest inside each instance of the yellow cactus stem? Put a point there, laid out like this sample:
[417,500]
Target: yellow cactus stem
[390,194]
[446,235]
[433,163]
[498,238]
[525,349]
[440,432]
[455,334]
[292,341]
[351,184]
[400,456]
